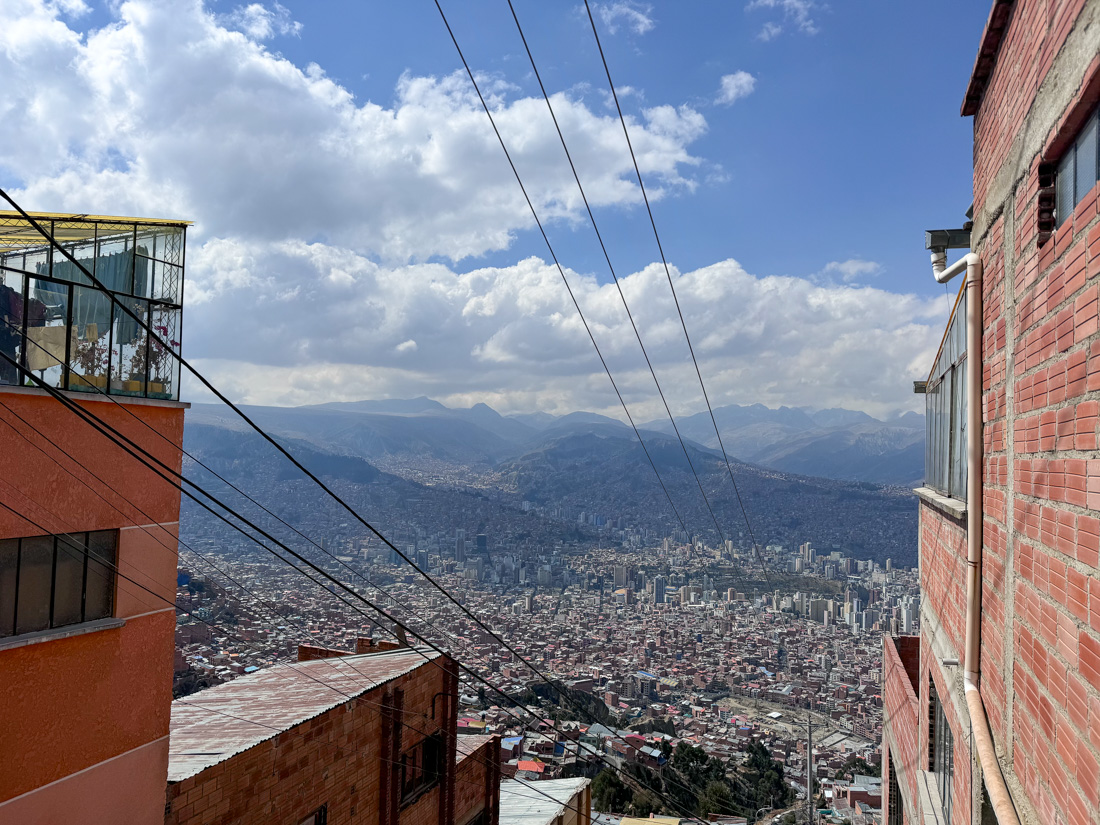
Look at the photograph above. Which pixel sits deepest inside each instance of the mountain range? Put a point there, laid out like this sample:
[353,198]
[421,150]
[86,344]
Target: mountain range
[448,460]
[834,443]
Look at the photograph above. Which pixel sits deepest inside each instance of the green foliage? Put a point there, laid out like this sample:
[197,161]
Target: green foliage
[609,793]
[858,765]
[716,799]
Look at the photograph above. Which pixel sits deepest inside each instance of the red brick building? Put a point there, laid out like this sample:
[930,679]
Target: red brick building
[367,738]
[993,713]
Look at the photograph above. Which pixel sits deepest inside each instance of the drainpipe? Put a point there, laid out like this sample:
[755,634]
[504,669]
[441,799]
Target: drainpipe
[999,795]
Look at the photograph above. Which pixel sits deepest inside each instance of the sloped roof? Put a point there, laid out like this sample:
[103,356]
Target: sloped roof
[215,724]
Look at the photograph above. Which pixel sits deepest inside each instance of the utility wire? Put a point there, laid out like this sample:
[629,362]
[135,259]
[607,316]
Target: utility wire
[288,668]
[668,275]
[611,268]
[561,272]
[133,449]
[145,325]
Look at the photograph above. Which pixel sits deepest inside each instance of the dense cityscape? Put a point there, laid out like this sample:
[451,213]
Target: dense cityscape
[673,641]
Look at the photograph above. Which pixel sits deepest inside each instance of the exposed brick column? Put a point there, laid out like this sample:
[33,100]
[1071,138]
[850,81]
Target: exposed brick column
[449,725]
[389,801]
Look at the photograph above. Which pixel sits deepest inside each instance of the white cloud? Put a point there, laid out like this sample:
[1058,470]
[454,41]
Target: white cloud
[509,335]
[219,129]
[734,87]
[261,23]
[638,17]
[852,269]
[308,273]
[798,14]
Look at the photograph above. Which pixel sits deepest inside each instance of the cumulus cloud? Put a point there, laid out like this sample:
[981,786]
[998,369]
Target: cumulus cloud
[260,22]
[330,254]
[734,87]
[219,129]
[638,17]
[796,14]
[852,269]
[509,335]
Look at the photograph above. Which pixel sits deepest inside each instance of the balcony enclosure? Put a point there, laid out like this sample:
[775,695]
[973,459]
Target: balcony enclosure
[57,325]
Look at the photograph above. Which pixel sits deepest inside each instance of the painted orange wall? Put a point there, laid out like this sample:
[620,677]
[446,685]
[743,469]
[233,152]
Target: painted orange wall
[71,703]
[127,789]
[66,504]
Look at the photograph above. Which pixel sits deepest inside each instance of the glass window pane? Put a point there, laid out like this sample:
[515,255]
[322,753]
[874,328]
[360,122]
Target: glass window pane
[9,561]
[35,579]
[99,600]
[115,262]
[1086,160]
[48,330]
[68,580]
[11,321]
[163,364]
[92,344]
[129,354]
[1064,200]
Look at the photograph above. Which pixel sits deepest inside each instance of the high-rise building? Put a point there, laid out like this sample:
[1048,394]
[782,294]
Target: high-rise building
[659,586]
[460,545]
[84,652]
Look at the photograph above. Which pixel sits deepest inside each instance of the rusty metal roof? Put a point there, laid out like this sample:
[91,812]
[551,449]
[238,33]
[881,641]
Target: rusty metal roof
[215,724]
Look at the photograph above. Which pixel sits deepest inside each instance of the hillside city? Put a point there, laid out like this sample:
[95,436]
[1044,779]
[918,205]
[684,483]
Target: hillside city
[467,495]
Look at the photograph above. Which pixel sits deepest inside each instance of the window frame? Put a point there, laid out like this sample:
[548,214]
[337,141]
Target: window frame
[945,458]
[318,817]
[422,768]
[92,549]
[1066,170]
[941,747]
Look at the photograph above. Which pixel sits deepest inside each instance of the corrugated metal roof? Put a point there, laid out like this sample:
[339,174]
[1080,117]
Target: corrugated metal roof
[523,803]
[211,726]
[466,745]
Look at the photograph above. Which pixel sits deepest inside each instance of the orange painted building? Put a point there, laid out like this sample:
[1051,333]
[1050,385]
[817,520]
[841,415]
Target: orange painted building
[85,653]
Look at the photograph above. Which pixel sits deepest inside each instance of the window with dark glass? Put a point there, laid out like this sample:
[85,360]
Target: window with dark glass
[318,817]
[54,581]
[942,746]
[1078,170]
[421,767]
[897,817]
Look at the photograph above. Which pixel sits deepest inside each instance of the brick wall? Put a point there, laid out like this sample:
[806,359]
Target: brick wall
[902,753]
[477,782]
[1040,621]
[339,759]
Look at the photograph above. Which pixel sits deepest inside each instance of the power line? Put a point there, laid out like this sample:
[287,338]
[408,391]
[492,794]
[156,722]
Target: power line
[133,449]
[614,276]
[668,275]
[144,324]
[87,554]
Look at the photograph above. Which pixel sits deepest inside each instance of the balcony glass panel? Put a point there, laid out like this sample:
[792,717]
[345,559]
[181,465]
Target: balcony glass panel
[130,351]
[56,323]
[48,333]
[92,342]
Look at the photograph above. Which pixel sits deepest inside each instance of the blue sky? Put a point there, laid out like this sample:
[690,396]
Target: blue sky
[850,145]
[358,234]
